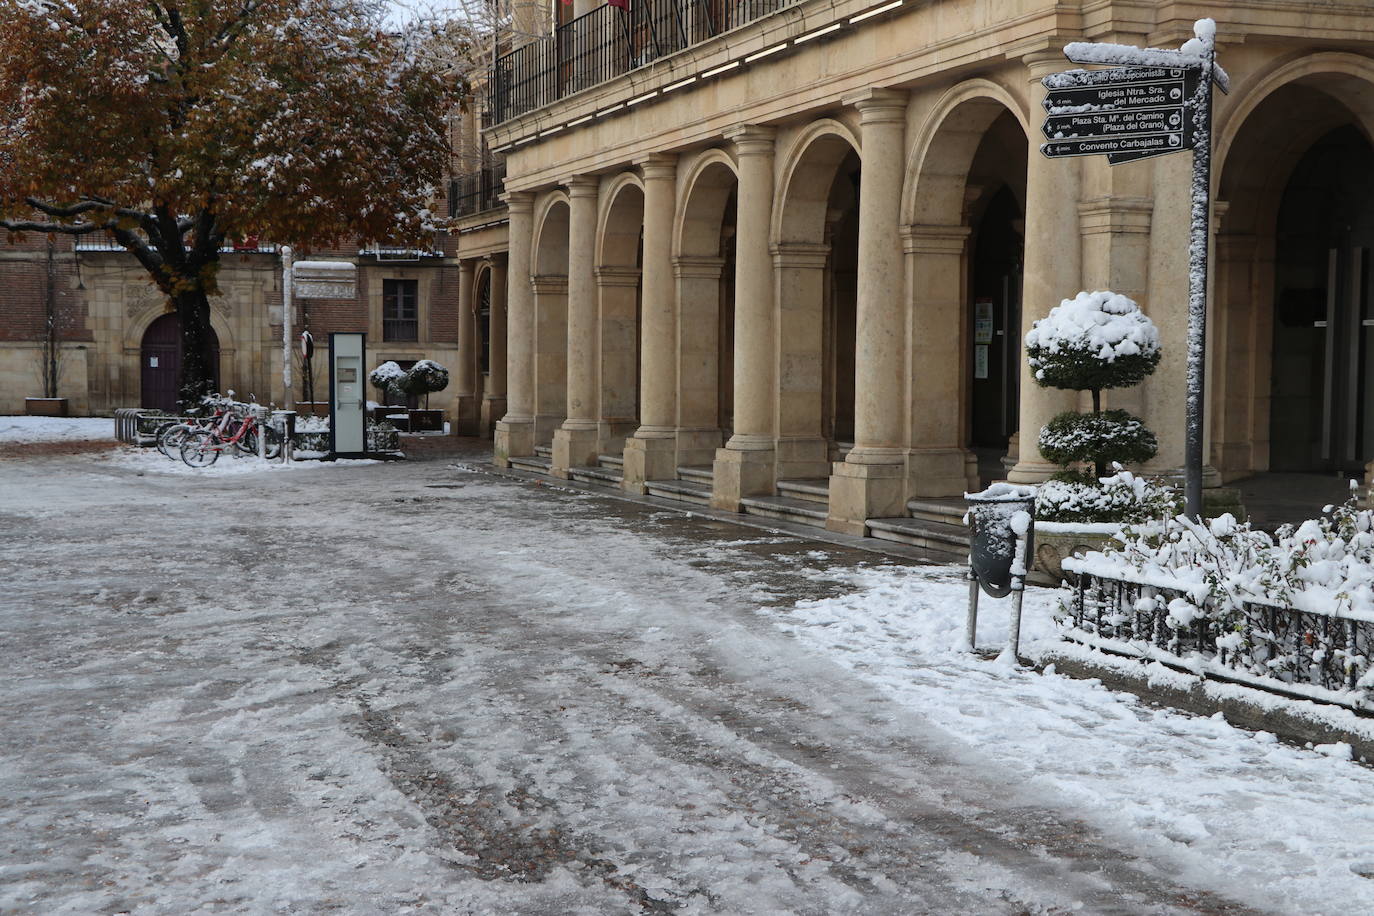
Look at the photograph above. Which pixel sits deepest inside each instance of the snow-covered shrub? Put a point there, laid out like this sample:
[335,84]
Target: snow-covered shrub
[1093,341]
[1235,584]
[1122,497]
[424,378]
[387,379]
[1071,438]
[1088,343]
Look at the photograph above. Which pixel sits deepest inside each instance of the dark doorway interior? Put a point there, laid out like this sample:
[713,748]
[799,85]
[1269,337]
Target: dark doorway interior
[994,323]
[160,363]
[841,320]
[1321,414]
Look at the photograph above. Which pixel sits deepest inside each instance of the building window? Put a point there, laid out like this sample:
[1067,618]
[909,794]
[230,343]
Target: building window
[400,310]
[484,321]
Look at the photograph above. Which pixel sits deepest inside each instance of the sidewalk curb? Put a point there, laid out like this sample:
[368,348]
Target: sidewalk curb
[1296,721]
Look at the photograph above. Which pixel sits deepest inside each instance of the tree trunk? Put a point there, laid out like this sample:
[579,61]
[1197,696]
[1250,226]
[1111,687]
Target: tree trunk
[197,373]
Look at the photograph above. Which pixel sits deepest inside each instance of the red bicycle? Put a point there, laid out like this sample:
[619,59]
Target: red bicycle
[202,449]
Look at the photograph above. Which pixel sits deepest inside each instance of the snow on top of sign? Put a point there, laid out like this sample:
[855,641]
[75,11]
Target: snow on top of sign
[1102,322]
[339,266]
[1191,54]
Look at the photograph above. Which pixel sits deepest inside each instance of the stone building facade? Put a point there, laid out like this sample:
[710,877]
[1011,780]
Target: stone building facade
[779,256]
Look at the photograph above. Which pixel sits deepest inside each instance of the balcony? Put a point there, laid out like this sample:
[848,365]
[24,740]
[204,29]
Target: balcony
[608,42]
[476,192]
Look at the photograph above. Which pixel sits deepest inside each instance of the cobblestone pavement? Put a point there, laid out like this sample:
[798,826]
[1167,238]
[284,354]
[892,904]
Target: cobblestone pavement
[420,687]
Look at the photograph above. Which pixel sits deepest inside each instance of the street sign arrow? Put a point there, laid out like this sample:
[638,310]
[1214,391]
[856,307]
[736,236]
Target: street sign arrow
[1118,95]
[1072,79]
[1154,144]
[1116,123]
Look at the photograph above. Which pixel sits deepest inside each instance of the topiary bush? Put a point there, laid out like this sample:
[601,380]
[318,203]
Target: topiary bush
[1094,341]
[387,379]
[424,378]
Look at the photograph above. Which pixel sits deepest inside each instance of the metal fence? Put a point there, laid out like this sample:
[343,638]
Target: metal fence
[477,192]
[1269,646]
[608,41]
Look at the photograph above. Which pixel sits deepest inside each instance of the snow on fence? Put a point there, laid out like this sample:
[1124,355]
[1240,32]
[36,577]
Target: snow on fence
[1313,654]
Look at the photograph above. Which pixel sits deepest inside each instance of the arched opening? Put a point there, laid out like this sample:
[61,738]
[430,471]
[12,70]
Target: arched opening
[160,362]
[619,303]
[817,265]
[1289,353]
[842,304]
[965,255]
[1321,412]
[550,286]
[704,268]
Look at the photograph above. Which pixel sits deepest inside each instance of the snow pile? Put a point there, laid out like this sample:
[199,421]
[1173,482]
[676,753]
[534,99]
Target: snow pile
[1123,497]
[55,429]
[1101,325]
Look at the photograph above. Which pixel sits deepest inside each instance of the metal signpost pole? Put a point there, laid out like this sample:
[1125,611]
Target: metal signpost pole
[1197,282]
[286,306]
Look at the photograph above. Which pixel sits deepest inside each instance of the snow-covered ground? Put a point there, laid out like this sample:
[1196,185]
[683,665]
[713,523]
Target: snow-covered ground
[421,688]
[1277,826]
[54,429]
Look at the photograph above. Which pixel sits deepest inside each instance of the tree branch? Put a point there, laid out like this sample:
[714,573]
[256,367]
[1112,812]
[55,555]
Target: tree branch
[24,225]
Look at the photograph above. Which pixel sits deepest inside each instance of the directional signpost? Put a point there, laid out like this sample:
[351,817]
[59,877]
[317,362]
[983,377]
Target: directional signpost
[1150,102]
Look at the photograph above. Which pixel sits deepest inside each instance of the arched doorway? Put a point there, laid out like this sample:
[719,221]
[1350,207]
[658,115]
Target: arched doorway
[1321,412]
[619,281]
[550,287]
[160,362]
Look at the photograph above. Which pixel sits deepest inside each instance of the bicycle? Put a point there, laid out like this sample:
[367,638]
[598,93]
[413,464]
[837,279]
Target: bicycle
[202,449]
[170,435]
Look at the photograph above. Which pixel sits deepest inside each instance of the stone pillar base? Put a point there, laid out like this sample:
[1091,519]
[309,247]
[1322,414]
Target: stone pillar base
[937,472]
[650,457]
[573,447]
[493,409]
[859,492]
[1032,472]
[513,437]
[803,458]
[741,473]
[466,415]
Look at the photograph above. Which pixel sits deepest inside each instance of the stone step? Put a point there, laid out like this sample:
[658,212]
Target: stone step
[610,461]
[786,508]
[537,463]
[544,451]
[703,472]
[601,476]
[816,490]
[946,510]
[688,491]
[921,533]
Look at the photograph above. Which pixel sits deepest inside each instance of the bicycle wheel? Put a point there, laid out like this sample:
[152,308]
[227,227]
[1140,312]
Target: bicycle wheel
[200,450]
[171,436]
[248,443]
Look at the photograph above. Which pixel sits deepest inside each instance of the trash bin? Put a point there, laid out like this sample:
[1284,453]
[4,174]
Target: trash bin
[992,516]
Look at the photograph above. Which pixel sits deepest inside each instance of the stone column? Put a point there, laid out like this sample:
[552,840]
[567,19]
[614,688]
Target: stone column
[574,443]
[870,482]
[515,432]
[802,449]
[465,375]
[617,295]
[494,391]
[698,360]
[937,463]
[744,467]
[651,453]
[1053,270]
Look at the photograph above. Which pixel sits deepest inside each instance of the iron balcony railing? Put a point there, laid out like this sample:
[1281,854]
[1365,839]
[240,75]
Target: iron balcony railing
[607,42]
[476,192]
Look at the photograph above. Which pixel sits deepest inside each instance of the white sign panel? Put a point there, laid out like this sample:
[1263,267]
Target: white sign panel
[324,280]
